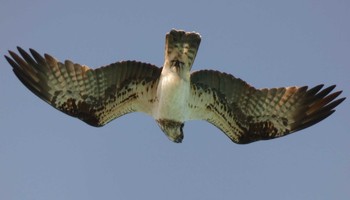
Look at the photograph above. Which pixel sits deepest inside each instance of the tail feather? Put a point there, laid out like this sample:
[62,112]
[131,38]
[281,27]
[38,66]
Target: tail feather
[181,48]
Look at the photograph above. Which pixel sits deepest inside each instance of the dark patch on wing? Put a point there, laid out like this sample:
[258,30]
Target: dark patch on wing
[78,90]
[263,114]
[81,110]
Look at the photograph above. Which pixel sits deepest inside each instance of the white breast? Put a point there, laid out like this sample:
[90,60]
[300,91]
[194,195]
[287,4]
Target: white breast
[172,93]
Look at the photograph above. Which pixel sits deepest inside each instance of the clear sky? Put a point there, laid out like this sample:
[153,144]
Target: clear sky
[45,154]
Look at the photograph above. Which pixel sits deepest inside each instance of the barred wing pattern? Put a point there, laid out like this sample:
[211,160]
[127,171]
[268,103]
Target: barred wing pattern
[246,114]
[172,94]
[95,96]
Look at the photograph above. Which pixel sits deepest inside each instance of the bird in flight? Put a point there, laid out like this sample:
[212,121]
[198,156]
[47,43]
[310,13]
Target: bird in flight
[173,94]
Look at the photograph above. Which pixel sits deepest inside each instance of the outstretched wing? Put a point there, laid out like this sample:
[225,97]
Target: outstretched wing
[246,114]
[95,96]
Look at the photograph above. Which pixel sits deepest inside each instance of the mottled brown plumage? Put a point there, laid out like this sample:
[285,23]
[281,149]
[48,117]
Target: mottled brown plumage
[95,96]
[249,114]
[172,95]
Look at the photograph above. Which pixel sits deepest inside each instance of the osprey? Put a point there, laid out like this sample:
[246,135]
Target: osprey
[172,94]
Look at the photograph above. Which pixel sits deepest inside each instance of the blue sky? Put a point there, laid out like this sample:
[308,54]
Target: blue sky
[45,154]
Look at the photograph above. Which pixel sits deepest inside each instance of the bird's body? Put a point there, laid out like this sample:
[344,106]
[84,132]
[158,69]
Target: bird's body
[173,95]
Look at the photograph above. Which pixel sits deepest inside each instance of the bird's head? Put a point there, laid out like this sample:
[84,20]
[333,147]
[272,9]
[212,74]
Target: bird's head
[172,129]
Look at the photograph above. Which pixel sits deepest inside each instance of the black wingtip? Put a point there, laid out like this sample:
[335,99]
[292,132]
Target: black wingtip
[37,57]
[8,58]
[325,92]
[322,104]
[336,102]
[20,50]
[15,61]
[315,89]
[11,62]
